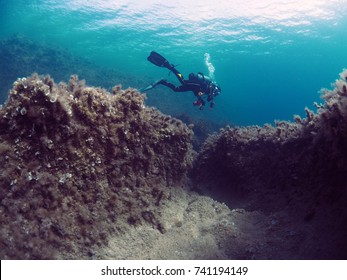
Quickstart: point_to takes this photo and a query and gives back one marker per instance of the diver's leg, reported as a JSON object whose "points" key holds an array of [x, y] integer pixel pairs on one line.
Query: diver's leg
{"points": [[160, 61], [172, 86], [178, 75]]}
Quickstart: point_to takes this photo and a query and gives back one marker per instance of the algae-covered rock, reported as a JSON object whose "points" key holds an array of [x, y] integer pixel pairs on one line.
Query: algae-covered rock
{"points": [[297, 167], [311, 148], [79, 164]]}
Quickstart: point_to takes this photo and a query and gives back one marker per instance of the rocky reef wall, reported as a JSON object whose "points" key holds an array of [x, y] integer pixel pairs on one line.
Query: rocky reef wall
{"points": [[299, 167], [79, 164], [311, 147]]}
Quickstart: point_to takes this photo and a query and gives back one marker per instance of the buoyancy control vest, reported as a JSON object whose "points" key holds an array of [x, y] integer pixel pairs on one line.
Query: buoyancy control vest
{"points": [[207, 86]]}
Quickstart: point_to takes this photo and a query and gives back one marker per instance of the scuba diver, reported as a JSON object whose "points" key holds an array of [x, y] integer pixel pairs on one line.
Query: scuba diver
{"points": [[203, 88]]}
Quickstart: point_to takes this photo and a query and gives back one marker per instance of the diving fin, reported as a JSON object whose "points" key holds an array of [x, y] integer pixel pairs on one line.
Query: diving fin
{"points": [[159, 60], [150, 86], [146, 88]]}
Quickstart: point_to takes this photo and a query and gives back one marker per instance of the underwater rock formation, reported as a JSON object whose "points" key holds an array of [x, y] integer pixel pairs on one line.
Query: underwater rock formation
{"points": [[299, 167], [312, 147], [85, 172], [79, 164]]}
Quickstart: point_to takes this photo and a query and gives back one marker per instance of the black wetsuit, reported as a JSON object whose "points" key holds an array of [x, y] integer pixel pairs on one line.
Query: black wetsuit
{"points": [[198, 84], [202, 87]]}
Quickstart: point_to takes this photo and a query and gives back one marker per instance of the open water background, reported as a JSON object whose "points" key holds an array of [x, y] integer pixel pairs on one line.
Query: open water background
{"points": [[270, 57]]}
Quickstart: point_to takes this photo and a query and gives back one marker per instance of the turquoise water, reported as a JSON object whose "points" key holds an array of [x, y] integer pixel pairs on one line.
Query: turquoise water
{"points": [[270, 57]]}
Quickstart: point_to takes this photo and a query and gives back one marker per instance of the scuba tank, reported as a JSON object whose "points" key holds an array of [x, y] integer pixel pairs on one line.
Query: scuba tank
{"points": [[199, 77], [207, 86]]}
